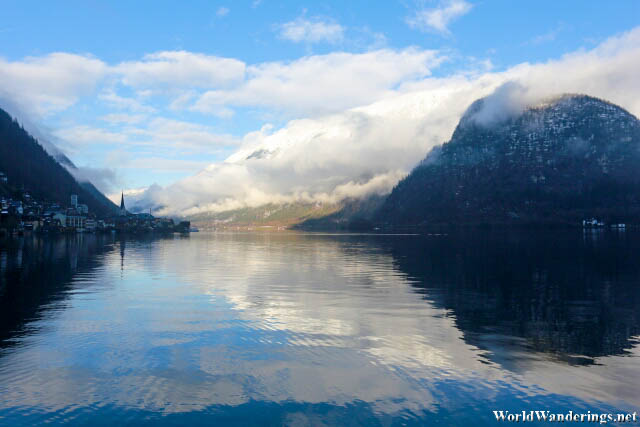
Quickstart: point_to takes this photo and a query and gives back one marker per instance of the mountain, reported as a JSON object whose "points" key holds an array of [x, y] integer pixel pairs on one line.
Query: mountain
{"points": [[272, 215], [28, 166], [561, 161], [61, 158], [350, 214]]}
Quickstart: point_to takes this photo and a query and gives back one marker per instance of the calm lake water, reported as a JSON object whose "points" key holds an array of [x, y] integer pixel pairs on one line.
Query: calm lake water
{"points": [[312, 329]]}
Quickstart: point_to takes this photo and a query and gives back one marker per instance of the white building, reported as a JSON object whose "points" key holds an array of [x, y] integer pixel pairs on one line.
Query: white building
{"points": [[60, 217], [70, 221], [90, 224], [76, 221]]}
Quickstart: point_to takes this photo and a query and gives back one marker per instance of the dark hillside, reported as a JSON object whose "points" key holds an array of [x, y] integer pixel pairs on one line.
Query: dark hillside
{"points": [[28, 166], [560, 162]]}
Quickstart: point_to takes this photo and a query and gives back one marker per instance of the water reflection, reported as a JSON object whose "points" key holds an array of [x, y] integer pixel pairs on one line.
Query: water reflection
{"points": [[35, 276], [576, 300], [540, 304], [308, 329]]}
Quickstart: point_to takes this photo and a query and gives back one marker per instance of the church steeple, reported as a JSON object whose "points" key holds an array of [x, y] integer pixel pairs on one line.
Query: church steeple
{"points": [[123, 211]]}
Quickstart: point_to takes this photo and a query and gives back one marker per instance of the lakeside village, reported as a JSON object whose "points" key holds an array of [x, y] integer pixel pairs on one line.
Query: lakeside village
{"points": [[27, 215]]}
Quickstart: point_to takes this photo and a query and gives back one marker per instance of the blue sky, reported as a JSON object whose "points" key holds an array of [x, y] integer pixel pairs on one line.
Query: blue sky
{"points": [[121, 30], [146, 92]]}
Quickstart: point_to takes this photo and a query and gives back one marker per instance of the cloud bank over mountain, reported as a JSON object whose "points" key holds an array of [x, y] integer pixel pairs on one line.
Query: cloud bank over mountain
{"points": [[357, 122], [366, 150]]}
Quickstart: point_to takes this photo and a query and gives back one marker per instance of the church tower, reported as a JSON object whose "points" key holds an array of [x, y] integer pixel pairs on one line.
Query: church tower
{"points": [[123, 211]]}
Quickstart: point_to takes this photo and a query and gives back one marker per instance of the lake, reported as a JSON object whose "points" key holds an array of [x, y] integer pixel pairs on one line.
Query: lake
{"points": [[287, 328]]}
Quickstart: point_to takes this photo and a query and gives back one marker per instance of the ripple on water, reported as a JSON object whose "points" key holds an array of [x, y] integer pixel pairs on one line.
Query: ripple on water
{"points": [[315, 328]]}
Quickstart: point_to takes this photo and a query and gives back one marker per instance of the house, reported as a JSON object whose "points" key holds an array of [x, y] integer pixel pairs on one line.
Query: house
{"points": [[70, 220], [90, 224], [76, 221], [61, 218]]}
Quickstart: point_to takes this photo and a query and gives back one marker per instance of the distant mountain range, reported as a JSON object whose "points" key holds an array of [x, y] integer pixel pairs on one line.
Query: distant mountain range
{"points": [[558, 162], [349, 214], [30, 167], [270, 215], [570, 158]]}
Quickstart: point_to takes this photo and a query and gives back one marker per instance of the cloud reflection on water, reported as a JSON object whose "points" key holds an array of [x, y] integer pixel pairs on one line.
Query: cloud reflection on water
{"points": [[179, 325]]}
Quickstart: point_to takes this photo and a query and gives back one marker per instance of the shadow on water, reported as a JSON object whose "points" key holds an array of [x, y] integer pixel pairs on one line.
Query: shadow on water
{"points": [[36, 275], [570, 295]]}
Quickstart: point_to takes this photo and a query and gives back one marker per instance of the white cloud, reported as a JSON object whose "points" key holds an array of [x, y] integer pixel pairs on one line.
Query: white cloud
{"points": [[311, 31], [167, 165], [323, 83], [312, 85], [183, 100], [222, 11], [123, 118], [366, 150], [350, 154], [439, 18], [180, 69], [547, 37], [171, 137], [51, 83], [82, 135], [508, 100], [104, 179], [76, 139], [111, 98], [185, 135]]}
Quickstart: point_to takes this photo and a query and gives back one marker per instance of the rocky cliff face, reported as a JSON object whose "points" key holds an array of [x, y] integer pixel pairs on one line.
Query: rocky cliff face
{"points": [[558, 162]]}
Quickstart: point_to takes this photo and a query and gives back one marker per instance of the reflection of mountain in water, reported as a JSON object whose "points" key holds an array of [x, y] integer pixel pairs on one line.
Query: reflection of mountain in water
{"points": [[36, 273], [574, 297]]}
